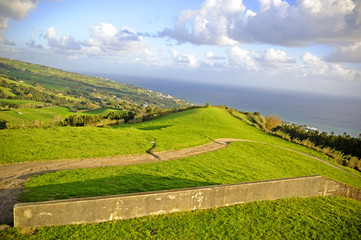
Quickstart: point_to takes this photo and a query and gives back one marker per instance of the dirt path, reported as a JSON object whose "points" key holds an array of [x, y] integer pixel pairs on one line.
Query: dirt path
{"points": [[12, 176]]}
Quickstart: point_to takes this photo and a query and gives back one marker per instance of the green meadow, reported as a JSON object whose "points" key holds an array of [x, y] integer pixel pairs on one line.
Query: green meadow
{"points": [[174, 131], [294, 218], [28, 112], [240, 162]]}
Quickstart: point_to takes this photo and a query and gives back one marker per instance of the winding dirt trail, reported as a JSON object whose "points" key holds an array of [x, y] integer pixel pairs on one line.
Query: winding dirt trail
{"points": [[12, 176]]}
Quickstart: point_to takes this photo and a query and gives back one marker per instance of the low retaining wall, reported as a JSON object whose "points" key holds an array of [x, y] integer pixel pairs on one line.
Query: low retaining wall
{"points": [[102, 209]]}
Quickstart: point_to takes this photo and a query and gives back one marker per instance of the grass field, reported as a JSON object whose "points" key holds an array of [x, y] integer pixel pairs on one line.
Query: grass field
{"points": [[30, 113], [293, 218], [297, 218], [241, 162], [174, 131], [22, 102]]}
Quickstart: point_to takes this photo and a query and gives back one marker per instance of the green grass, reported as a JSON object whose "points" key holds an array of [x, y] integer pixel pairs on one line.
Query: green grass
{"points": [[104, 111], [21, 102], [293, 218], [32, 114], [174, 131], [321, 218], [65, 143], [7, 91], [45, 113], [241, 162]]}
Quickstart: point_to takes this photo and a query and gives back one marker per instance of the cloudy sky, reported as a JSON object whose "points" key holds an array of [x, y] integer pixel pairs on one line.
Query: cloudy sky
{"points": [[306, 45]]}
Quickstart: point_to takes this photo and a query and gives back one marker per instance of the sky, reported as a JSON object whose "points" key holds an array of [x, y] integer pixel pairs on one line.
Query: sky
{"points": [[302, 45]]}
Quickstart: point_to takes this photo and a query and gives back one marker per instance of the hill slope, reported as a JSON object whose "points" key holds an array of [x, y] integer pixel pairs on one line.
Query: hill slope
{"points": [[42, 87], [240, 162]]}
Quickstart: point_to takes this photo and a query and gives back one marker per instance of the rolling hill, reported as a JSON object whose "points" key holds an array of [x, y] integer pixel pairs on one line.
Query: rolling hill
{"points": [[37, 89], [262, 157]]}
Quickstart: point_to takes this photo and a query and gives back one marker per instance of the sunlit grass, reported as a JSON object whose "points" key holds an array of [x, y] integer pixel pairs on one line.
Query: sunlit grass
{"points": [[293, 218], [174, 131], [241, 162]]}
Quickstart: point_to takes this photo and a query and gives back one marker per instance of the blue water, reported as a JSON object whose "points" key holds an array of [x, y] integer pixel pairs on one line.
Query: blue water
{"points": [[326, 113]]}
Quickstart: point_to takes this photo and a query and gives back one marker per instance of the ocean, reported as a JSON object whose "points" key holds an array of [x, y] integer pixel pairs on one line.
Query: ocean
{"points": [[326, 113]]}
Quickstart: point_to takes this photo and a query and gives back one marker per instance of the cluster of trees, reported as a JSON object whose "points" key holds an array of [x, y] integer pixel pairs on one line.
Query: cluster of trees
{"points": [[97, 119], [8, 105], [257, 120], [29, 93], [345, 143]]}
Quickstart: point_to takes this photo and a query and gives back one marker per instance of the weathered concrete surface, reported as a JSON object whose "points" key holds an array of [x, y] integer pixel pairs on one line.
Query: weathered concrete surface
{"points": [[101, 209], [334, 188]]}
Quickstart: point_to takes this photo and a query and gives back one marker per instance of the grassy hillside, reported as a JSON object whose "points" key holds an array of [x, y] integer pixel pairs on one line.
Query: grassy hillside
{"points": [[54, 113], [174, 131], [35, 86], [241, 162]]}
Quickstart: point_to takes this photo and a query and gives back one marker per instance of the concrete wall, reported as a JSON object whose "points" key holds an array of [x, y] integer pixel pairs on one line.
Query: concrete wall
{"points": [[101, 209]]}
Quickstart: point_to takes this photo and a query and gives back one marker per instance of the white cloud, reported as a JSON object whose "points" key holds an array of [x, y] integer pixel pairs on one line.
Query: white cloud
{"points": [[346, 53], [211, 24], [273, 62], [241, 58], [124, 45], [273, 55], [66, 42], [315, 66], [13, 9], [184, 60], [210, 55], [228, 22], [51, 33], [111, 40]]}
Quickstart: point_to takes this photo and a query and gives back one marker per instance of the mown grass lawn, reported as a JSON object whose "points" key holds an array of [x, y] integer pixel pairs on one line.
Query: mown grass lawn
{"points": [[240, 162], [295, 218], [174, 131], [292, 218]]}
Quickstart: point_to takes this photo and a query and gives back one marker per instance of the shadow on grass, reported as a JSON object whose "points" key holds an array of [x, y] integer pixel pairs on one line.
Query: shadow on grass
{"points": [[154, 127], [125, 183]]}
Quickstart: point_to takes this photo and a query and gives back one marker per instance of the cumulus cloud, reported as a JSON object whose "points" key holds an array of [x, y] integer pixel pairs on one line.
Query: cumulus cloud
{"points": [[105, 40], [347, 53], [13, 9], [228, 22], [274, 62], [269, 60], [241, 58], [66, 42], [109, 39], [211, 24], [210, 55], [275, 56], [315, 66], [184, 60]]}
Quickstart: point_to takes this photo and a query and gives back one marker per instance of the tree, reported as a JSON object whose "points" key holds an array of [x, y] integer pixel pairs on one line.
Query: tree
{"points": [[149, 109], [272, 121]]}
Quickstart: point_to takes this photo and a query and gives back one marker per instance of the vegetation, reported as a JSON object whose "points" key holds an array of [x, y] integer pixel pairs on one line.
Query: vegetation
{"points": [[294, 218], [51, 87], [346, 144], [34, 97], [328, 144], [343, 149], [173, 131], [240, 162]]}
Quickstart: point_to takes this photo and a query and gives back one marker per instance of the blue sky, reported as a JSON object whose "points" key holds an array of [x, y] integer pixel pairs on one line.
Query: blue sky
{"points": [[306, 45]]}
